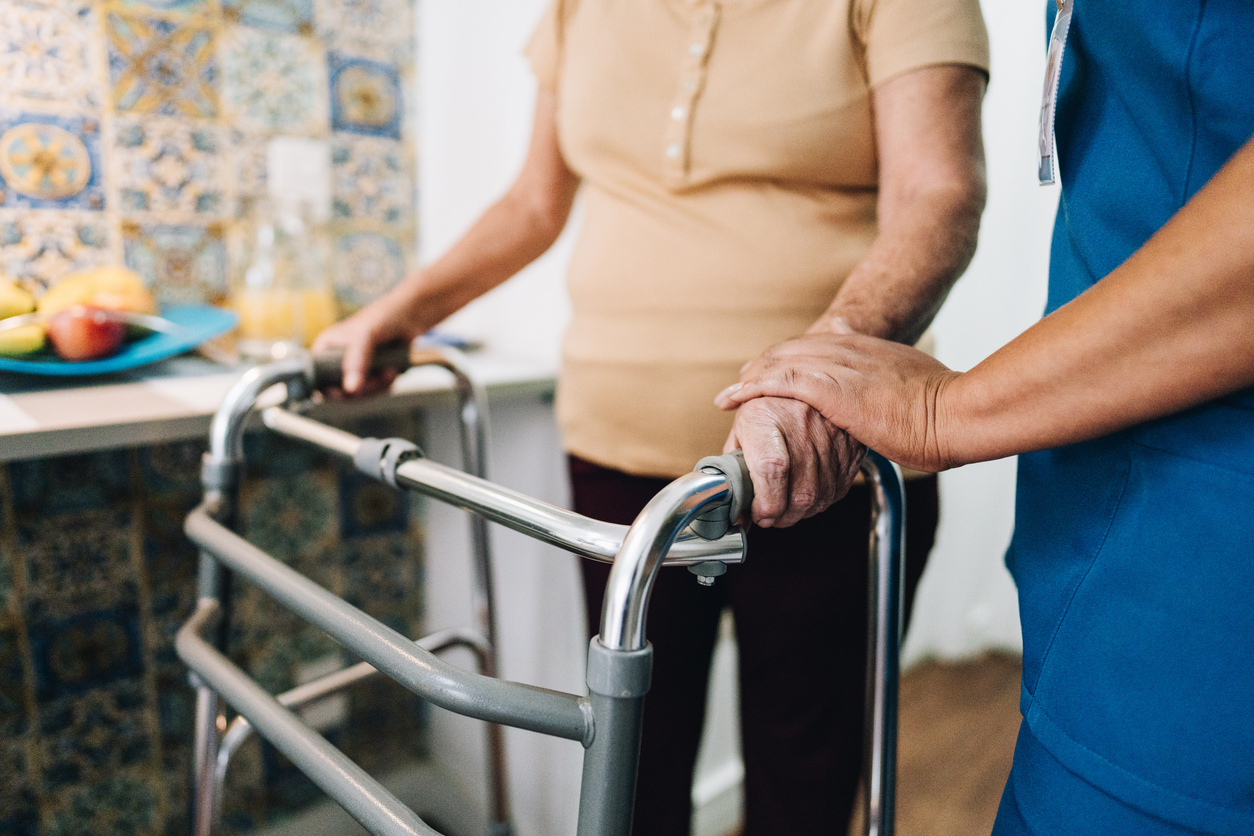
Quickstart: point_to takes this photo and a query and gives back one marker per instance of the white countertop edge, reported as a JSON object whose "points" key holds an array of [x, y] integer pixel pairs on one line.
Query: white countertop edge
{"points": [[166, 408]]}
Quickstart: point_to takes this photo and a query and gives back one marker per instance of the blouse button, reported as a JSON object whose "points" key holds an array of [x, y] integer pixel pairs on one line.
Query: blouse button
{"points": [[677, 112], [672, 150], [696, 50]]}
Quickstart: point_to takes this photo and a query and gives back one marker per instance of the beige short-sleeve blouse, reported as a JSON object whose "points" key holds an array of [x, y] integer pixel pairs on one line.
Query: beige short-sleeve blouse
{"points": [[728, 156]]}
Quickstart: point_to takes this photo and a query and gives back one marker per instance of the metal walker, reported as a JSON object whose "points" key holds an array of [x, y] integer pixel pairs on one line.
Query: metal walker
{"points": [[689, 523]]}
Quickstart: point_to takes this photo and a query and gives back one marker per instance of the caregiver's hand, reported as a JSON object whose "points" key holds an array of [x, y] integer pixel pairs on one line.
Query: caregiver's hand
{"points": [[887, 396], [376, 324], [800, 463]]}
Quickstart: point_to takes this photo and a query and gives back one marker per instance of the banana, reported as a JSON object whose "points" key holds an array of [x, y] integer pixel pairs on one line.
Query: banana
{"points": [[27, 339], [112, 287], [14, 300]]}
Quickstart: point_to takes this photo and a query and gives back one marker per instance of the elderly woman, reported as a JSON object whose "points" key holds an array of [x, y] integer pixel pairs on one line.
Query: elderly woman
{"points": [[752, 170], [1133, 400]]}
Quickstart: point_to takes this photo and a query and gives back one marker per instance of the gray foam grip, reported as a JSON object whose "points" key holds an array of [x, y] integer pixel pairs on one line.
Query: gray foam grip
{"points": [[732, 465]]}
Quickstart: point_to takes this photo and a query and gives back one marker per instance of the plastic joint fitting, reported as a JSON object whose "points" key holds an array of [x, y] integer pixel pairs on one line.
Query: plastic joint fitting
{"points": [[378, 458]]}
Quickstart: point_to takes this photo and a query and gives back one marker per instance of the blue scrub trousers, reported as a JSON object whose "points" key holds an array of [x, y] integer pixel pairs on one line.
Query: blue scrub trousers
{"points": [[1044, 798]]}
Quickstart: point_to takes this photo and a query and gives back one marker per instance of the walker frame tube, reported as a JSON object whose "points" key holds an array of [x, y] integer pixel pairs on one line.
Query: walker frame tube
{"points": [[885, 571], [441, 683], [607, 722], [241, 730], [547, 523]]}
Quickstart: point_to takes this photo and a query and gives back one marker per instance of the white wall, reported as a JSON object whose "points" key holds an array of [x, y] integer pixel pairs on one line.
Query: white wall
{"points": [[477, 95]]}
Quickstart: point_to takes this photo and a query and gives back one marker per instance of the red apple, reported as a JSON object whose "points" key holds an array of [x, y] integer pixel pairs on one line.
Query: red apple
{"points": [[83, 333]]}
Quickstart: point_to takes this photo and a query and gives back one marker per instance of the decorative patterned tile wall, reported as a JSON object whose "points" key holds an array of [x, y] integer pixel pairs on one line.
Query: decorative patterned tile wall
{"points": [[95, 579], [136, 131]]}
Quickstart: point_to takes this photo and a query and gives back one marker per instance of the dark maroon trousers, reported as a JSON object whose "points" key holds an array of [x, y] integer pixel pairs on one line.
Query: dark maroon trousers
{"points": [[800, 606]]}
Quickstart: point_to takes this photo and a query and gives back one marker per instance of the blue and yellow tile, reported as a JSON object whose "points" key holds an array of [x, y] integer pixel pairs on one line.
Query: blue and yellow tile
{"points": [[87, 738], [162, 66], [367, 264], [382, 576], [171, 7], [14, 687], [45, 56], [295, 17], [184, 264], [366, 96], [19, 790], [38, 247], [118, 805], [273, 82], [65, 484], [76, 564], [172, 469], [368, 507], [382, 30], [50, 162], [85, 652], [371, 180], [291, 517], [170, 166]]}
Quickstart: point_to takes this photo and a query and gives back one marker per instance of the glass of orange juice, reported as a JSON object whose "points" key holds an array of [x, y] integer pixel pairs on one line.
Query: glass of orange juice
{"points": [[282, 290]]}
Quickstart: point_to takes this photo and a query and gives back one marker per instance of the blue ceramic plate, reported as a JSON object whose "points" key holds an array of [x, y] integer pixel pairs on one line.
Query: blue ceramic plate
{"points": [[197, 324]]}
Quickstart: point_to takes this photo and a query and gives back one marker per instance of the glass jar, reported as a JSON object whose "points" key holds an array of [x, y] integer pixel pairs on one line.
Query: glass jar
{"points": [[282, 287]]}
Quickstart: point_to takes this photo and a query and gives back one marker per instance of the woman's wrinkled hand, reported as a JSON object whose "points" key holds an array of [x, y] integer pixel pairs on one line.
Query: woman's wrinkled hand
{"points": [[358, 336], [799, 462], [887, 396]]}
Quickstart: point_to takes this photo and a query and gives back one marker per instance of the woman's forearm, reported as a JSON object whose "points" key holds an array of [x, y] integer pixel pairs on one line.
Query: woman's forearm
{"points": [[932, 191], [511, 234], [1171, 328]]}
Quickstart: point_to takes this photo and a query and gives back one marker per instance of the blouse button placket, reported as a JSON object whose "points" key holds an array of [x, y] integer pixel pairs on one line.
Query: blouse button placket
{"points": [[677, 146]]}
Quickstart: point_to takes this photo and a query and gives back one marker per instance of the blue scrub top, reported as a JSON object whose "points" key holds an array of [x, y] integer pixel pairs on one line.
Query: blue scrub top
{"points": [[1134, 553]]}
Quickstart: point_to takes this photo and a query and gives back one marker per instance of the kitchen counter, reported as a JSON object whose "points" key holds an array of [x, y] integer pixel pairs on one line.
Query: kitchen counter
{"points": [[175, 400]]}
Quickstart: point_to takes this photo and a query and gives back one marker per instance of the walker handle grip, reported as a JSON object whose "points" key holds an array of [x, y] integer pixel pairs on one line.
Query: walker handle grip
{"points": [[732, 466], [328, 365]]}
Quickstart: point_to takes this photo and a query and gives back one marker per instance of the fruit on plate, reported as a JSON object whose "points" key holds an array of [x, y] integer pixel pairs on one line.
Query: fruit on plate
{"points": [[111, 288], [84, 333], [14, 299], [25, 339]]}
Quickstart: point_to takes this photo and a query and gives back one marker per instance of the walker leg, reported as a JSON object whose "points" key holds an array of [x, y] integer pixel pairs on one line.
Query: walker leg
{"points": [[887, 559], [210, 715], [617, 683], [473, 423]]}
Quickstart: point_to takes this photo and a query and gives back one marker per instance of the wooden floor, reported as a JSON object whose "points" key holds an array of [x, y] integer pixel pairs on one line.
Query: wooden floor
{"points": [[957, 734]]}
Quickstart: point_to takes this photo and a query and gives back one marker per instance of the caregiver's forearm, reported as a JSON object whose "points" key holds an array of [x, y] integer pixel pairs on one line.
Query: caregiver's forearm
{"points": [[932, 191], [1171, 328]]}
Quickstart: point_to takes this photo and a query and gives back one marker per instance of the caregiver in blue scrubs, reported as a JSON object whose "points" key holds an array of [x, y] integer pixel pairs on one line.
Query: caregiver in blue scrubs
{"points": [[1132, 405]]}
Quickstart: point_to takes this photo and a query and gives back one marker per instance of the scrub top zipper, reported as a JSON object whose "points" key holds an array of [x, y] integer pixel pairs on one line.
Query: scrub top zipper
{"points": [[1049, 97]]}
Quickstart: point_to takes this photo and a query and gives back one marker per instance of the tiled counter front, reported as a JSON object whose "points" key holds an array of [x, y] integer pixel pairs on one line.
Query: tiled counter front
{"points": [[96, 577], [134, 130]]}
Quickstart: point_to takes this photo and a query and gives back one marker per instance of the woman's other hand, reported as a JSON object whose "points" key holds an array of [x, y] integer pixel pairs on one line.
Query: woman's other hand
{"points": [[800, 463], [358, 336], [885, 395]]}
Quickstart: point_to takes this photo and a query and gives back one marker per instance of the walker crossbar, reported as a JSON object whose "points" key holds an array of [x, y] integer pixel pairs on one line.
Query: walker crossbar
{"points": [[403, 660], [556, 526], [363, 797], [240, 730], [607, 721]]}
